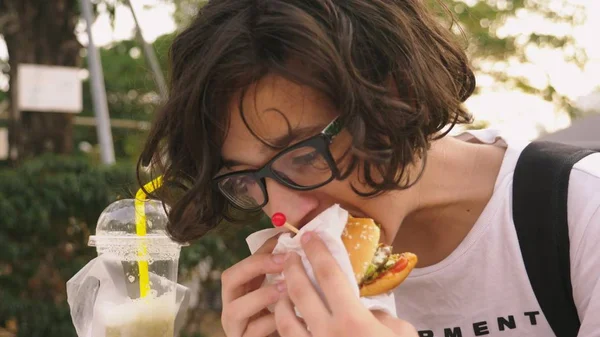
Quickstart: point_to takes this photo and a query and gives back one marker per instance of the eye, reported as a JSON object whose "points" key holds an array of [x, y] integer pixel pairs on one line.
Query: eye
{"points": [[305, 159], [246, 181], [239, 184]]}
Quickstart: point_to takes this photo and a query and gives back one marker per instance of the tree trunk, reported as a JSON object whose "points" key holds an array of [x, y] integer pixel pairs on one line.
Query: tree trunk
{"points": [[40, 32]]}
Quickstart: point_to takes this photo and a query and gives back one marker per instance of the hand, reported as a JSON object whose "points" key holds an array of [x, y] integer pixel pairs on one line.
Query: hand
{"points": [[341, 314], [245, 312]]}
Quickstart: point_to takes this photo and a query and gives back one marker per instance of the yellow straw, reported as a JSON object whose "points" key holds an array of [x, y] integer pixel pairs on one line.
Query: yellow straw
{"points": [[140, 229]]}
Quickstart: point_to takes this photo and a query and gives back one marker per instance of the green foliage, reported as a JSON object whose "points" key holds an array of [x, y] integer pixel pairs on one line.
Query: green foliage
{"points": [[483, 22], [185, 10], [49, 206], [477, 125], [130, 91]]}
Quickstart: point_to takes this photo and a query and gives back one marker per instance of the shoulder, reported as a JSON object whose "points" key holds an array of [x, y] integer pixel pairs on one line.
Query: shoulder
{"points": [[584, 232], [589, 166], [584, 191], [584, 202]]}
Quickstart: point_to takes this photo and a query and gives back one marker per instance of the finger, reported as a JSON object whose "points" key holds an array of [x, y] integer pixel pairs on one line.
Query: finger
{"points": [[236, 315], [256, 282], [253, 284], [253, 303], [302, 292], [261, 326], [331, 279], [239, 275], [398, 326], [268, 246], [287, 322]]}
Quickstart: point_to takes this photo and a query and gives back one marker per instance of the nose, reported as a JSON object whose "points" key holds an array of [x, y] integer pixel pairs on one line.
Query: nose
{"points": [[295, 205]]}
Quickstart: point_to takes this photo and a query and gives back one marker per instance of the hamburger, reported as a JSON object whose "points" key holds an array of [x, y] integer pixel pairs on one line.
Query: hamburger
{"points": [[376, 269]]}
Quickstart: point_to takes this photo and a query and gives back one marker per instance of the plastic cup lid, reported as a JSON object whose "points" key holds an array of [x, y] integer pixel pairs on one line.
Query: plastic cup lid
{"points": [[119, 224]]}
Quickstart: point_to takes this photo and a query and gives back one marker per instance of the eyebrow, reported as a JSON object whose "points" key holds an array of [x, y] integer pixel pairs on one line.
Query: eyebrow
{"points": [[280, 142], [294, 135]]}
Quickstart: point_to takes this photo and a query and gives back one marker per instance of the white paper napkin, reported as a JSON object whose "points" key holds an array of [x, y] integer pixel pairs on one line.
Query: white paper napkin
{"points": [[329, 226]]}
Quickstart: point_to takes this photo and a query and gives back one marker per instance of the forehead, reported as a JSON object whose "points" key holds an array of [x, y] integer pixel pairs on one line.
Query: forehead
{"points": [[272, 108]]}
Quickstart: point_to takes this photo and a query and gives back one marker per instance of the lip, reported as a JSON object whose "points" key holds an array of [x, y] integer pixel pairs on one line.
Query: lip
{"points": [[309, 217], [357, 213], [304, 221]]}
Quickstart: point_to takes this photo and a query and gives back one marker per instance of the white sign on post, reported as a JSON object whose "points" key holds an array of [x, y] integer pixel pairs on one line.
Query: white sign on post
{"points": [[3, 143], [49, 88]]}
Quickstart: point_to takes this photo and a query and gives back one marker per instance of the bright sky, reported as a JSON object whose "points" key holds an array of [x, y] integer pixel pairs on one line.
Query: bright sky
{"points": [[515, 113], [155, 17]]}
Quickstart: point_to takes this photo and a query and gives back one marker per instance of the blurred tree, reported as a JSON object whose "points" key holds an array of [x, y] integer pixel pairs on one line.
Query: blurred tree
{"points": [[477, 125], [44, 32], [130, 91], [186, 10], [493, 48], [40, 32], [49, 207]]}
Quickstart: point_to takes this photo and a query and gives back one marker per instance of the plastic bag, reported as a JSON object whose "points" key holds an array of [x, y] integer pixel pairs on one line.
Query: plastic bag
{"points": [[100, 305]]}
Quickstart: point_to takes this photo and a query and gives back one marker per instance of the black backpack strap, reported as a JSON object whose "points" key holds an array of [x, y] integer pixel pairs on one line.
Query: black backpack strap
{"points": [[540, 191]]}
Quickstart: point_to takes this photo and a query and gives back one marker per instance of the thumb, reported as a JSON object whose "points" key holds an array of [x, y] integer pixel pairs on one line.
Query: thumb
{"points": [[398, 326]]}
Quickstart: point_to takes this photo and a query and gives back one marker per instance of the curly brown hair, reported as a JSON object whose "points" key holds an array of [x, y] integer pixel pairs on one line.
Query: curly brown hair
{"points": [[394, 72]]}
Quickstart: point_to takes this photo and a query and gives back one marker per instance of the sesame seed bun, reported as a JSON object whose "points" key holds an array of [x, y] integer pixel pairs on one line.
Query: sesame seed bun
{"points": [[361, 239]]}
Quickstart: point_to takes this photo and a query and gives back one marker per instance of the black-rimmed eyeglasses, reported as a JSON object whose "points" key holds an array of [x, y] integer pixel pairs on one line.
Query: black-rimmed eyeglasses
{"points": [[303, 166]]}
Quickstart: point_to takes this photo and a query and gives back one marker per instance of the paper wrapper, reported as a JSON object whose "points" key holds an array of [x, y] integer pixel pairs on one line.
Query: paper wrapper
{"points": [[329, 226]]}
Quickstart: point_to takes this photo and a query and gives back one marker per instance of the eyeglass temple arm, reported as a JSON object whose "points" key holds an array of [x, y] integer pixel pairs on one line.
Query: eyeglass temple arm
{"points": [[333, 128]]}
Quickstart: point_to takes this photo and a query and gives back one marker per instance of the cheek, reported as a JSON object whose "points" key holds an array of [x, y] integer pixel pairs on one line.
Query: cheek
{"points": [[336, 192], [340, 192], [344, 190]]}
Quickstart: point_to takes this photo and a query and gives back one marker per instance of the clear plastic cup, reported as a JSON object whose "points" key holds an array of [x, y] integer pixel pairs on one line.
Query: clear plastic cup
{"points": [[149, 266]]}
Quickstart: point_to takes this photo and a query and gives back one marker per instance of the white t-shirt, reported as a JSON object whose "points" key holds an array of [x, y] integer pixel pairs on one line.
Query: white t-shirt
{"points": [[482, 288]]}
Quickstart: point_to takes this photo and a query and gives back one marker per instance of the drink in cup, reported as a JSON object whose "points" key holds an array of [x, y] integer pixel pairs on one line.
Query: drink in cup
{"points": [[132, 234]]}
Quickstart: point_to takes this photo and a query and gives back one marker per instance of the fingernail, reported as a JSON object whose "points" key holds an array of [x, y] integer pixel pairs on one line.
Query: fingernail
{"points": [[278, 258], [281, 286], [306, 237]]}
